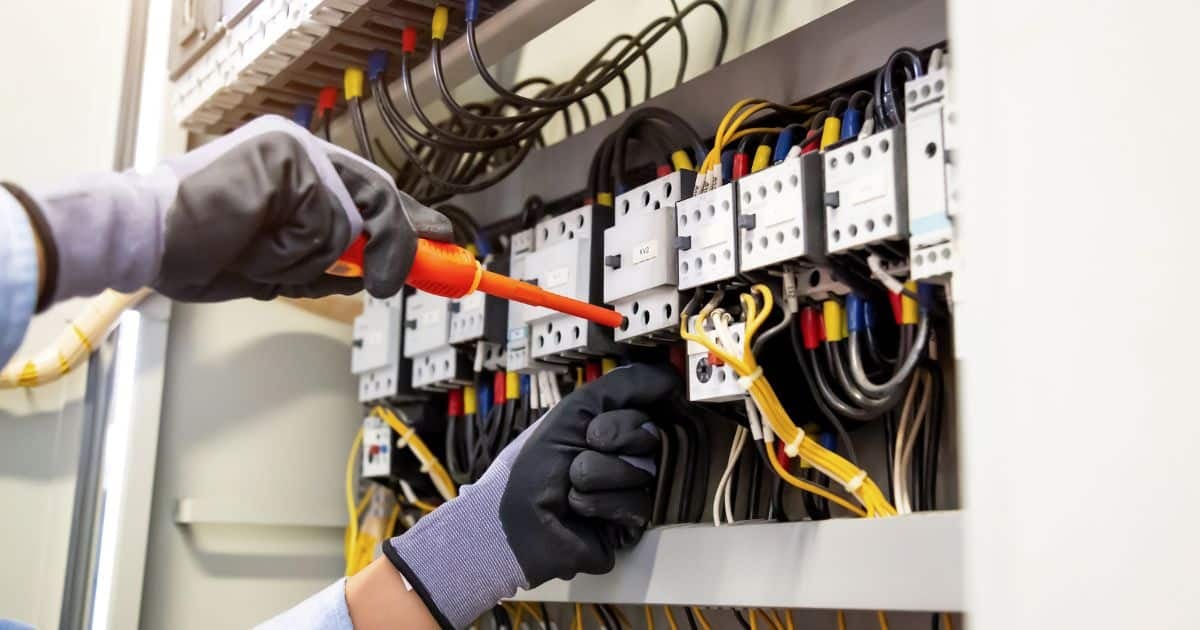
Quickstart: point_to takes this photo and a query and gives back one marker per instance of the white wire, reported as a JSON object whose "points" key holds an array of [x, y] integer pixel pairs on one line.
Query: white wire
{"points": [[899, 479], [923, 409], [735, 449], [734, 454]]}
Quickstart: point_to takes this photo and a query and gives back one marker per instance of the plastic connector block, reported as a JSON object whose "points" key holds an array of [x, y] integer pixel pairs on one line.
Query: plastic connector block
{"points": [[930, 222], [375, 353], [865, 198], [783, 204], [707, 243], [821, 283], [568, 259], [377, 449], [708, 382], [478, 316], [426, 323], [641, 274], [441, 369]]}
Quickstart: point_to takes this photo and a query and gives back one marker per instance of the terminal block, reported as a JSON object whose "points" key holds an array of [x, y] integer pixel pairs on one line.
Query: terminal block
{"points": [[443, 368], [707, 242], [478, 316], [375, 355], [567, 259], [780, 213], [928, 123], [709, 380], [641, 274], [865, 198], [426, 323], [821, 283]]}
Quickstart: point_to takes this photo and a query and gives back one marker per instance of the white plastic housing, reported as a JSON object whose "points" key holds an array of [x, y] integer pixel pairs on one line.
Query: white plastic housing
{"points": [[375, 353], [707, 229], [930, 226], [426, 323], [708, 383], [442, 368], [784, 203], [867, 178]]}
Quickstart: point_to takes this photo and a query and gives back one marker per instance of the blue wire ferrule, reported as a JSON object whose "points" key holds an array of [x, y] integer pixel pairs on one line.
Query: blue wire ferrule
{"points": [[377, 63], [303, 115], [485, 400], [472, 9], [925, 295], [727, 165], [783, 144], [868, 318], [852, 123], [524, 386], [828, 440], [854, 313]]}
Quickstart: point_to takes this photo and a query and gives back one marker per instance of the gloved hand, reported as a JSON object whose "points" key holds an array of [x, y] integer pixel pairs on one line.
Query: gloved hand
{"points": [[560, 500], [260, 212]]}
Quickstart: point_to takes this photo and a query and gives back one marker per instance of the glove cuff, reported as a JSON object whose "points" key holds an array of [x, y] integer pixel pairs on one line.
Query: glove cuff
{"points": [[107, 230], [457, 558]]}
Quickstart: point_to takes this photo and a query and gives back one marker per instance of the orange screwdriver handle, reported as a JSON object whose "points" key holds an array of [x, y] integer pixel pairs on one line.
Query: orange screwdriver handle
{"points": [[450, 271]]}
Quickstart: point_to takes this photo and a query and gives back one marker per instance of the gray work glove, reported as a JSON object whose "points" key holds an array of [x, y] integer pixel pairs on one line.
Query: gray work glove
{"points": [[261, 212], [560, 500]]}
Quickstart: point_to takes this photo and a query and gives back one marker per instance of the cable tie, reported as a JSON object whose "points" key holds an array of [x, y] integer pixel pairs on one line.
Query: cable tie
{"points": [[83, 339], [747, 381], [855, 482], [793, 448]]}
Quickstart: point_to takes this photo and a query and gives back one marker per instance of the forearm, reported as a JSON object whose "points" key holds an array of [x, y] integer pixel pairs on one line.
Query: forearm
{"points": [[379, 599]]}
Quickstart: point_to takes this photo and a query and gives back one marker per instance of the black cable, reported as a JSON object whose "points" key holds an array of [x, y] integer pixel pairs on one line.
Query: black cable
{"points": [[360, 128], [815, 394], [683, 48], [545, 615], [691, 618], [737, 614], [325, 126]]}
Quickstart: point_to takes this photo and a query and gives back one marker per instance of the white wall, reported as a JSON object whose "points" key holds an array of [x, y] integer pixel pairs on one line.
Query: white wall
{"points": [[63, 69], [1077, 312]]}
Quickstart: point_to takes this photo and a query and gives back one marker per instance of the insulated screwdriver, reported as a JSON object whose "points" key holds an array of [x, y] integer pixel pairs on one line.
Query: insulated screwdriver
{"points": [[451, 271]]}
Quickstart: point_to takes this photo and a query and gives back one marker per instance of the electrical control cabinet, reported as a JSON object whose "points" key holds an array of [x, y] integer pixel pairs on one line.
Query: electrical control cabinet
{"points": [[930, 221], [865, 192], [426, 323], [641, 272], [707, 243], [708, 382], [566, 260], [780, 213], [375, 355]]}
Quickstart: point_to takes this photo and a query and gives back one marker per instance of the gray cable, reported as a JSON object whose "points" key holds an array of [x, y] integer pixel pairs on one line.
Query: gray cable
{"points": [[902, 373]]}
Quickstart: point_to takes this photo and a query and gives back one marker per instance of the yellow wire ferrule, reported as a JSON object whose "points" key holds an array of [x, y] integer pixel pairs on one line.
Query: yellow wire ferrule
{"points": [[607, 365], [512, 386], [832, 312], [352, 83], [682, 161], [762, 158], [604, 199], [831, 131], [909, 309], [470, 401], [441, 19]]}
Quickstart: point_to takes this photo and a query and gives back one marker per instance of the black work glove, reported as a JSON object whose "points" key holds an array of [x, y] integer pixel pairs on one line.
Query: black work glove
{"points": [[560, 500], [261, 212]]}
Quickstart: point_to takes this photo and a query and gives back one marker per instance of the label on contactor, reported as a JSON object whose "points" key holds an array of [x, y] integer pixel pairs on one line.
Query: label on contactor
{"points": [[647, 250], [429, 317], [557, 277]]}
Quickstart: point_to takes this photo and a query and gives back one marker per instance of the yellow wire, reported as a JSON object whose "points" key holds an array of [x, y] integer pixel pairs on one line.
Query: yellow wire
{"points": [[882, 617], [578, 623], [670, 618], [787, 615], [622, 620], [753, 619], [391, 522], [770, 617], [597, 615], [649, 617], [841, 620], [516, 617], [429, 461], [423, 506], [700, 618], [533, 612], [946, 621], [809, 487], [351, 514]]}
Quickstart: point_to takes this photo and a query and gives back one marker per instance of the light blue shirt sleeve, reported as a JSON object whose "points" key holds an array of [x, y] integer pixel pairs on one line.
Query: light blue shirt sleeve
{"points": [[324, 611], [18, 274]]}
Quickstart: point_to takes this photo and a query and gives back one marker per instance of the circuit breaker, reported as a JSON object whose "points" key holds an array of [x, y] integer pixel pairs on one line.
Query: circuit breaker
{"points": [[709, 380], [931, 181], [516, 343], [865, 195], [442, 368], [707, 242], [375, 355], [426, 323], [566, 260], [479, 316], [641, 275], [780, 213]]}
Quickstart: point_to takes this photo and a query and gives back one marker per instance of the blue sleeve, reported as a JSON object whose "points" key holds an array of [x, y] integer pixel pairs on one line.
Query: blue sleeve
{"points": [[18, 275], [324, 611]]}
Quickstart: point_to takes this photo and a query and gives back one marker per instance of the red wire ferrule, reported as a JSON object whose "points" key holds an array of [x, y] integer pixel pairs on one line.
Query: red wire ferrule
{"points": [[454, 403], [408, 39]]}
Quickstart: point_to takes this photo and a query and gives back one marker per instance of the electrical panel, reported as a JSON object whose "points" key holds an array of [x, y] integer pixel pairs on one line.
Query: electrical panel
{"points": [[708, 379], [567, 260], [518, 357], [707, 243], [865, 192], [641, 275], [375, 355], [931, 183], [426, 323], [780, 213]]}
